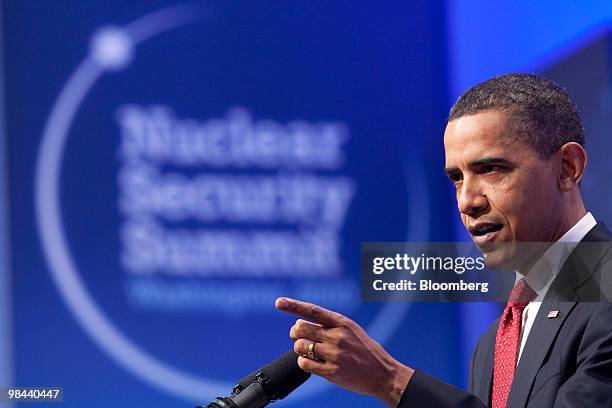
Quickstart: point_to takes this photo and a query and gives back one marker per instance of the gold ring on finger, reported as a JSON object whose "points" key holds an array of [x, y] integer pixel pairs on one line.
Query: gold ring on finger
{"points": [[311, 351]]}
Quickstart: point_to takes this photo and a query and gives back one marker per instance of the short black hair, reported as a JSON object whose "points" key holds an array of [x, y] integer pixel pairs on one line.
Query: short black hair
{"points": [[538, 110]]}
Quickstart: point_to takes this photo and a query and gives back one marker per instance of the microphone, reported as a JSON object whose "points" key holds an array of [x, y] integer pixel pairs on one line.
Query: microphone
{"points": [[268, 384]]}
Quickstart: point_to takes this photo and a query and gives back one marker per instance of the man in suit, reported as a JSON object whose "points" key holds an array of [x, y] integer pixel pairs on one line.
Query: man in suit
{"points": [[514, 151]]}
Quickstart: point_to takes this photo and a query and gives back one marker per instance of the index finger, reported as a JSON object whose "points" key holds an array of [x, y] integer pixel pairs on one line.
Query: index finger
{"points": [[310, 311]]}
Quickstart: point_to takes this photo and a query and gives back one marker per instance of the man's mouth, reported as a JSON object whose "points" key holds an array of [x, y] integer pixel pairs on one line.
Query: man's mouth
{"points": [[484, 232]]}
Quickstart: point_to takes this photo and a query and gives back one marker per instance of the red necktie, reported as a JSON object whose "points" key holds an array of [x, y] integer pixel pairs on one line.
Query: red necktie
{"points": [[507, 342]]}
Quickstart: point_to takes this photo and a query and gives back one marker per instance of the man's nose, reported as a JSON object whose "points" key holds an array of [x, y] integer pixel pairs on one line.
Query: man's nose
{"points": [[471, 200]]}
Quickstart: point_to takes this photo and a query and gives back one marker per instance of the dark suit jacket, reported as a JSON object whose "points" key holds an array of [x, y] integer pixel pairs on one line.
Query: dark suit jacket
{"points": [[566, 361]]}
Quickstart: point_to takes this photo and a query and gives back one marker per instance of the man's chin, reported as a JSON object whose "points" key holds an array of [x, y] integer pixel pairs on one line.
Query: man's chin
{"points": [[516, 256], [499, 255]]}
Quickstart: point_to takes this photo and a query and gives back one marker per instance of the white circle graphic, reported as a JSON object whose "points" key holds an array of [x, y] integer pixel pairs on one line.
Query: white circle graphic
{"points": [[112, 49]]}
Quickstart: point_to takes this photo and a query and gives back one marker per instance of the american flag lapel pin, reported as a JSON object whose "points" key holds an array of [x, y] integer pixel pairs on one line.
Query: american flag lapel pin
{"points": [[553, 313]]}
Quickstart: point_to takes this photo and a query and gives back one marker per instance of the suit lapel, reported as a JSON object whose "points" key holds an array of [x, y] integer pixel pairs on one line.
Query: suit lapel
{"points": [[538, 343]]}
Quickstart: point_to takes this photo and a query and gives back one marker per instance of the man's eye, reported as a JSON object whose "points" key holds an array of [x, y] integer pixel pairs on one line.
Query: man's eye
{"points": [[490, 168], [455, 177]]}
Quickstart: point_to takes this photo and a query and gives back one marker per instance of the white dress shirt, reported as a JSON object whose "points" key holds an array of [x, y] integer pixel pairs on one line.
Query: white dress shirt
{"points": [[544, 271]]}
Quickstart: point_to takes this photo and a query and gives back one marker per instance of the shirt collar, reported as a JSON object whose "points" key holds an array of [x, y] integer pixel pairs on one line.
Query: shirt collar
{"points": [[544, 271]]}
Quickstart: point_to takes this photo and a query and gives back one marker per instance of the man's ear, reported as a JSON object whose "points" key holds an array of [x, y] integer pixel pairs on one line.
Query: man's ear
{"points": [[573, 165]]}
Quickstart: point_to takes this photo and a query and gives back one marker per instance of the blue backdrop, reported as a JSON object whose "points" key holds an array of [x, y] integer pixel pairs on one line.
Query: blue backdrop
{"points": [[172, 168]]}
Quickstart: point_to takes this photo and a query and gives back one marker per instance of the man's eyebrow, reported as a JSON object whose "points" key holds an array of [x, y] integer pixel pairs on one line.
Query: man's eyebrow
{"points": [[489, 161]]}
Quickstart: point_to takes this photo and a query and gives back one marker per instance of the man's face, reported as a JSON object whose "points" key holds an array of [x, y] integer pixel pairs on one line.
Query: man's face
{"points": [[505, 191]]}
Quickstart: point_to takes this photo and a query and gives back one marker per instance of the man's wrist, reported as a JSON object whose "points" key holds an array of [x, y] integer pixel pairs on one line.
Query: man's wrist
{"points": [[400, 377]]}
